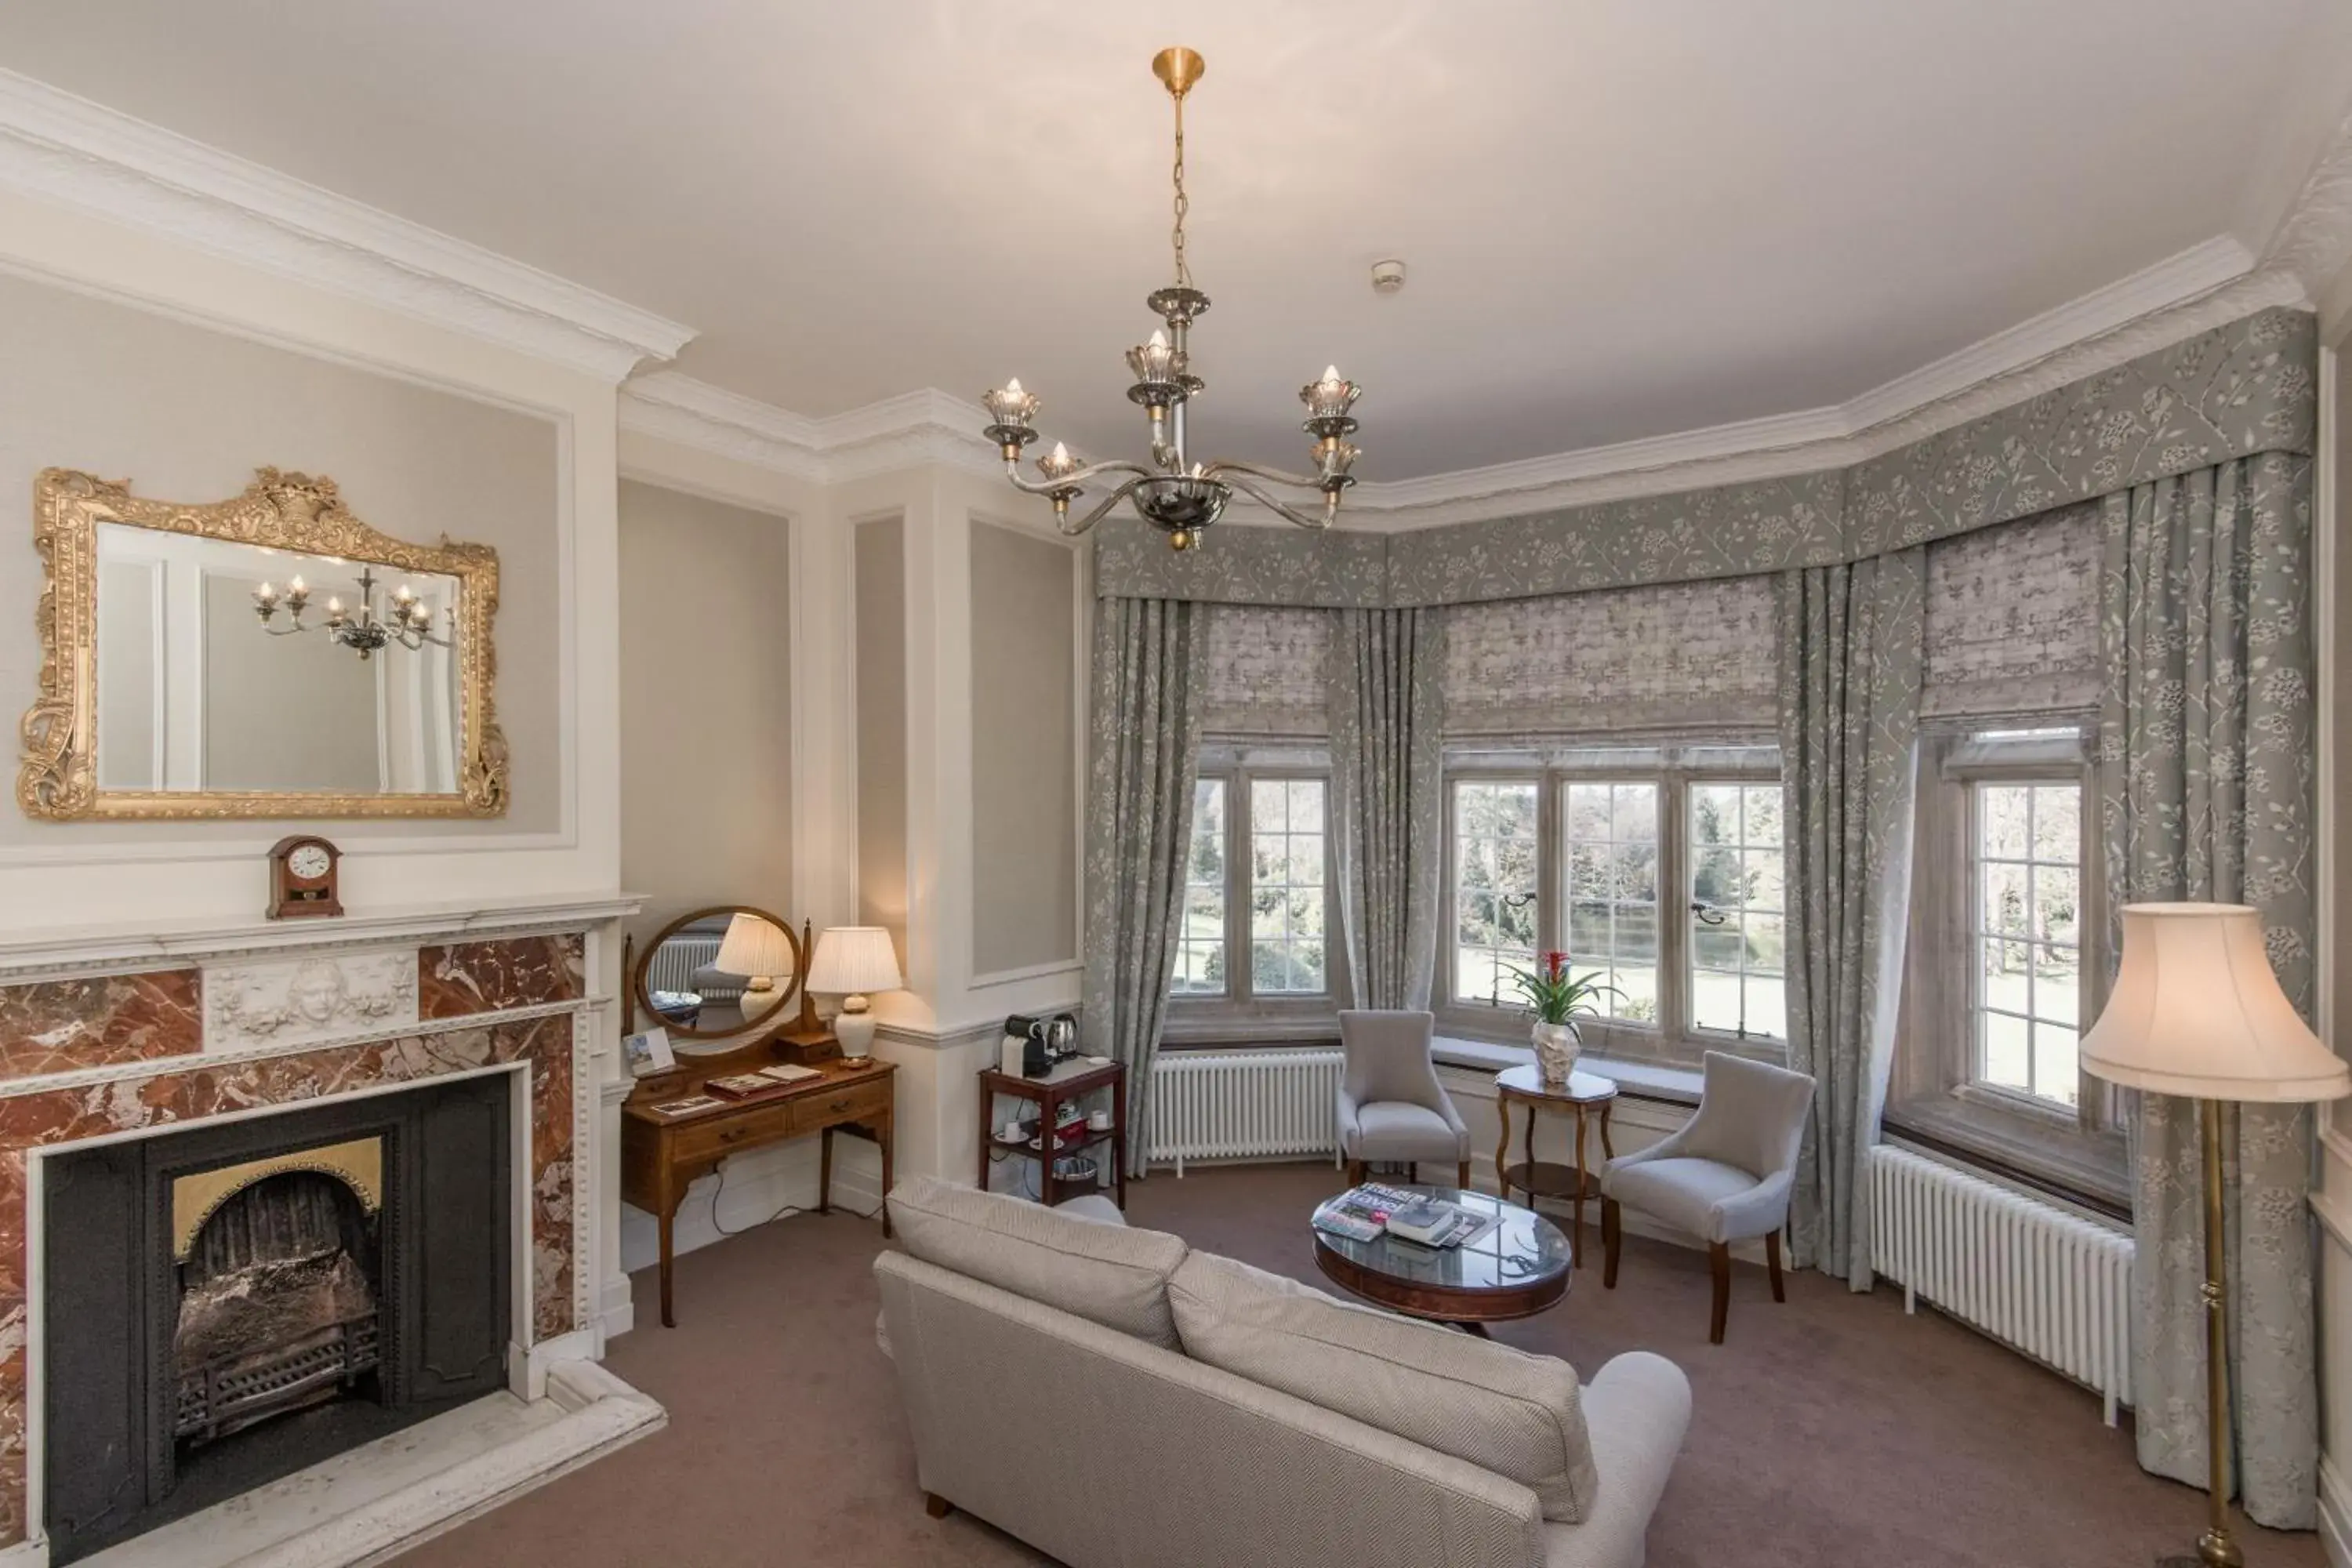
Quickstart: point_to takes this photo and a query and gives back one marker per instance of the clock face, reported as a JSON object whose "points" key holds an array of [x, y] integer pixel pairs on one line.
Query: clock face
{"points": [[308, 861]]}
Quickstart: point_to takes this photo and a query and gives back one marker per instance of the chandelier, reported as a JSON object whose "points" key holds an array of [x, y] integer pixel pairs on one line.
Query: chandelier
{"points": [[1173, 493], [406, 622]]}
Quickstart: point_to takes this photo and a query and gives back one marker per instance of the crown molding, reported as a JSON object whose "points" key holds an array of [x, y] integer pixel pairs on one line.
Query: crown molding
{"points": [[63, 148], [914, 428]]}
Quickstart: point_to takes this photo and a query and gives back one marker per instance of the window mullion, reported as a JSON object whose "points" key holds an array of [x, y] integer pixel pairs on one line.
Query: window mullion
{"points": [[1675, 1011], [1240, 864]]}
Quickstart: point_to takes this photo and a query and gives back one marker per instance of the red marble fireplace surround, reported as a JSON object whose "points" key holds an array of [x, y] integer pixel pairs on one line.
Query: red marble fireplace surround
{"points": [[106, 1054]]}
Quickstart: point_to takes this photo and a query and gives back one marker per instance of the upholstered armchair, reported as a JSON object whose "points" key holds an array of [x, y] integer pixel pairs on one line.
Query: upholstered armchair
{"points": [[1725, 1176], [1392, 1106]]}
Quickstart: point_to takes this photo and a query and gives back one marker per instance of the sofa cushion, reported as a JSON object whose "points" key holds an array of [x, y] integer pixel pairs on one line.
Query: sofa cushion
{"points": [[1109, 1273], [1499, 1408]]}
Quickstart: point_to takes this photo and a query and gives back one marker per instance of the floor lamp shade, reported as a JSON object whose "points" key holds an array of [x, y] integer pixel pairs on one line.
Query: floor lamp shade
{"points": [[2196, 1012]]}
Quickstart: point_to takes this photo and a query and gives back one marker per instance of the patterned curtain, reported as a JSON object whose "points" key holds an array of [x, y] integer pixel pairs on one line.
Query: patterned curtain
{"points": [[1149, 668], [1388, 708], [2206, 748], [1850, 663]]}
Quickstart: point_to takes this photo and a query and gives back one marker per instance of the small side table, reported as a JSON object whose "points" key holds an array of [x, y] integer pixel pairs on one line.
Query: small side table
{"points": [[1583, 1092], [1069, 1081]]}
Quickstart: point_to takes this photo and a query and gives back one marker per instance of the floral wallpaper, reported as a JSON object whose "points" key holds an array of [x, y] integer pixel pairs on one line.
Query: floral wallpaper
{"points": [[1614, 660], [2246, 388], [2013, 618]]}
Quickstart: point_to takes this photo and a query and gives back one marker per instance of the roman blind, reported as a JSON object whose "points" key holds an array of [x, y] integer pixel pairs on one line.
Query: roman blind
{"points": [[2013, 619]]}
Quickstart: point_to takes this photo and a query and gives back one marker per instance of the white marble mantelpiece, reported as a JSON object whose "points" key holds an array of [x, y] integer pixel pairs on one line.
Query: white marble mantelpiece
{"points": [[30, 954]]}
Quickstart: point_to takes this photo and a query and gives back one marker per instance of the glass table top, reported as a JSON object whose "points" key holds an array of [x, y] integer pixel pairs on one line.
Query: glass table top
{"points": [[1523, 1249]]}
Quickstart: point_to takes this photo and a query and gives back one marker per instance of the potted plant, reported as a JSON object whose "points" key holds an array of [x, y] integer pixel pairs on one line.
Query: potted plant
{"points": [[1556, 1000]]}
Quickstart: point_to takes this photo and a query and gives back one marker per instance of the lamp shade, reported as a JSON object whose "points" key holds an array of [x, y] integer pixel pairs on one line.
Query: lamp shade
{"points": [[853, 961], [2196, 1012], [754, 947]]}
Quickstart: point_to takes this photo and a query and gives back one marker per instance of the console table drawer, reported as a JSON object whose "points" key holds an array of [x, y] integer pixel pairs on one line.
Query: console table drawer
{"points": [[831, 1109], [744, 1130]]}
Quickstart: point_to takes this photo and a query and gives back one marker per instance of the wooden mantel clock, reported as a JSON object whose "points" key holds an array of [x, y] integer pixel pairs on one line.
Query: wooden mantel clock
{"points": [[302, 877]]}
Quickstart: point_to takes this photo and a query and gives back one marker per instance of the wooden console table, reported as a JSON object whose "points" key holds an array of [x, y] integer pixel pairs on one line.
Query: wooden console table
{"points": [[661, 1155]]}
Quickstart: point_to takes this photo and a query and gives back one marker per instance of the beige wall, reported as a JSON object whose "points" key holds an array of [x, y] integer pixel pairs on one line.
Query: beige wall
{"points": [[880, 578], [187, 413], [706, 705], [1024, 908]]}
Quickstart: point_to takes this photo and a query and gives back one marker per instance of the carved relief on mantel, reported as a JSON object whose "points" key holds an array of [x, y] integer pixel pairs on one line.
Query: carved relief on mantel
{"points": [[296, 1001]]}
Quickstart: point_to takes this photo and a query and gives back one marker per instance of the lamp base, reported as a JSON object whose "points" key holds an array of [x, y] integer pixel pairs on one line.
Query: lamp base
{"points": [[854, 1028], [760, 998]]}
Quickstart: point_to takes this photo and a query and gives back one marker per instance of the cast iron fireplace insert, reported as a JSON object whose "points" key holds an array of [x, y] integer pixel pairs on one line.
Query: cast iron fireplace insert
{"points": [[228, 1304]]}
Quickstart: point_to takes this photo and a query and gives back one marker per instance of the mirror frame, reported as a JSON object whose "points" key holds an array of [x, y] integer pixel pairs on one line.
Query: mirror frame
{"points": [[782, 1014], [58, 778]]}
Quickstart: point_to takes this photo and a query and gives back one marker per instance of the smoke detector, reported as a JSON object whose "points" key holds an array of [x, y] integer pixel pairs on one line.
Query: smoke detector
{"points": [[1387, 277]]}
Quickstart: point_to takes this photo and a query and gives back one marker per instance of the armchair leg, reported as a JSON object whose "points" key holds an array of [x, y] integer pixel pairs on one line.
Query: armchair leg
{"points": [[1612, 1227], [1462, 1176], [1772, 1256], [1355, 1172], [1718, 1261], [937, 1506]]}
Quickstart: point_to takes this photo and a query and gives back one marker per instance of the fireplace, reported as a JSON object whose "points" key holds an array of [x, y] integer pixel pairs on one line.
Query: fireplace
{"points": [[230, 1303]]}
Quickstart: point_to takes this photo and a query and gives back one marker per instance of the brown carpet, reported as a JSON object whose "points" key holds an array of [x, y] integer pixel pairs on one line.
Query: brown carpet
{"points": [[1830, 1432]]}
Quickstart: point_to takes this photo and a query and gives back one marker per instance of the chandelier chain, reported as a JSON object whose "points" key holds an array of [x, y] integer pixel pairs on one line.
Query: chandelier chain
{"points": [[1182, 203]]}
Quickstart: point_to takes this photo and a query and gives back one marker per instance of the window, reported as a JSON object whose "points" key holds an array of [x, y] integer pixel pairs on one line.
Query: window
{"points": [[1735, 947], [2026, 1013], [1494, 860], [2003, 964], [1599, 853], [1257, 882], [1287, 876], [1612, 894], [1201, 945]]}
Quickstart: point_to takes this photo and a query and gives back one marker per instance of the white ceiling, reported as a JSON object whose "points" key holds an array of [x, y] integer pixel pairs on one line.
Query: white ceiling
{"points": [[1625, 218]]}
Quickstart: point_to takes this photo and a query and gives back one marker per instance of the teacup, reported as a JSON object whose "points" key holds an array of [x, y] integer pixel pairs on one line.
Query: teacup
{"points": [[1099, 1121]]}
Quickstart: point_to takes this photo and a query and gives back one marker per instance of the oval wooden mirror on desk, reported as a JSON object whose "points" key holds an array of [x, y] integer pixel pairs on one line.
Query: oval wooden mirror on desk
{"points": [[725, 984], [721, 979]]}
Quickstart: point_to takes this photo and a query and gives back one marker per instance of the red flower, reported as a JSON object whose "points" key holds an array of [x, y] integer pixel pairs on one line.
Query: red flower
{"points": [[1554, 964]]}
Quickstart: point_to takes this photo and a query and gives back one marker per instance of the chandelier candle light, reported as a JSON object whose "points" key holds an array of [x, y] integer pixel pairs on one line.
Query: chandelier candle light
{"points": [[1173, 493], [406, 621]]}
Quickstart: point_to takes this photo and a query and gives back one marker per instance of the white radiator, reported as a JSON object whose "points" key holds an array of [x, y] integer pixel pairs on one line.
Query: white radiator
{"points": [[2035, 1278], [675, 962], [1225, 1105]]}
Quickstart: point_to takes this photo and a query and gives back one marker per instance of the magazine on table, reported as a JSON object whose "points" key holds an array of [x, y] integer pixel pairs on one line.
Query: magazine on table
{"points": [[1361, 1212], [1364, 1213]]}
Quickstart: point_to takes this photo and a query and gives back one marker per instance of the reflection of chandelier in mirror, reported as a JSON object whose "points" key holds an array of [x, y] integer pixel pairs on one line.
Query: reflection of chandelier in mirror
{"points": [[1176, 495], [406, 622]]}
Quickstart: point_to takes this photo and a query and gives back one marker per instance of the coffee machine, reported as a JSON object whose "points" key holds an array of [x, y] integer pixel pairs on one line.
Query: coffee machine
{"points": [[1034, 1047]]}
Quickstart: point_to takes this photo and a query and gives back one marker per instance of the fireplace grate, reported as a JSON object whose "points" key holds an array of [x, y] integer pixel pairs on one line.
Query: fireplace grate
{"points": [[220, 1395]]}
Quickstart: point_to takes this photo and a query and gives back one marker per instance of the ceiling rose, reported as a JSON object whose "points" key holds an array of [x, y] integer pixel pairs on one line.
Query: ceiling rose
{"points": [[1174, 494]]}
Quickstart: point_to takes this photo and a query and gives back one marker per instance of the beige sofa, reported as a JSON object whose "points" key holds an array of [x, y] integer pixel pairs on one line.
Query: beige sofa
{"points": [[1041, 1355]]}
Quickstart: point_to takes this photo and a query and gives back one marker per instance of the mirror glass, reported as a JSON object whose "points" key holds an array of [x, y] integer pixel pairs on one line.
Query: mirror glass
{"points": [[350, 683], [718, 973]]}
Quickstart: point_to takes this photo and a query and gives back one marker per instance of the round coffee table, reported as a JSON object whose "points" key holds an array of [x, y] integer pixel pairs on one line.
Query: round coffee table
{"points": [[1583, 1092], [1517, 1269]]}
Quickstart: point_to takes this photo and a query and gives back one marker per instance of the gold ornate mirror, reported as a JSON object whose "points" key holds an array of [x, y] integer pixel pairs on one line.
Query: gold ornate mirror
{"points": [[269, 656]]}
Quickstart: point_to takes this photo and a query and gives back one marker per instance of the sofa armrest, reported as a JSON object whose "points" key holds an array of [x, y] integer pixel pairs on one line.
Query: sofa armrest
{"points": [[1637, 1412]]}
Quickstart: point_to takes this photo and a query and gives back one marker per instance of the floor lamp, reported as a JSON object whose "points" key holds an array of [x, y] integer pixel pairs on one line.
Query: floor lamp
{"points": [[2196, 1011]]}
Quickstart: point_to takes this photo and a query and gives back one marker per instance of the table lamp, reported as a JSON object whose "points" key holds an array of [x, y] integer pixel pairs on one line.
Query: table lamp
{"points": [[2196, 1011], [853, 962], [760, 952]]}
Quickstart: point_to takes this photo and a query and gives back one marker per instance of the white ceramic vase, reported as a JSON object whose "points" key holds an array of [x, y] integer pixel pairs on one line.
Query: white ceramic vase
{"points": [[1557, 1047]]}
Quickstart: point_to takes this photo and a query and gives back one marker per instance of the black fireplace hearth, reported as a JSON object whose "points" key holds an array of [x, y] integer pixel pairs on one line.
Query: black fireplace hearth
{"points": [[226, 1305]]}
